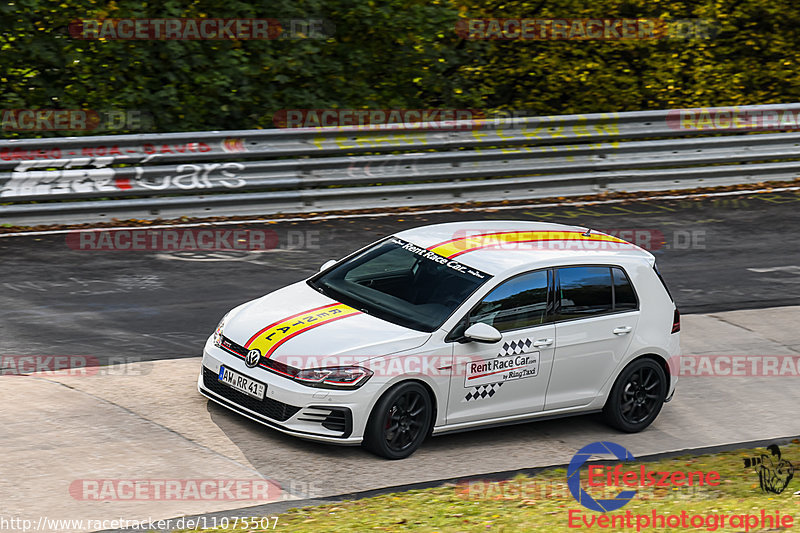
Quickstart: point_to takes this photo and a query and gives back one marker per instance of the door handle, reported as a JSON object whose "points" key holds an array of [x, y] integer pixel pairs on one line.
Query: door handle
{"points": [[542, 342], [622, 330]]}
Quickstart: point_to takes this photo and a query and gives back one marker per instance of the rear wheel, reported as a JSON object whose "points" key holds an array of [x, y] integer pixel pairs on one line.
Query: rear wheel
{"points": [[637, 396], [399, 422]]}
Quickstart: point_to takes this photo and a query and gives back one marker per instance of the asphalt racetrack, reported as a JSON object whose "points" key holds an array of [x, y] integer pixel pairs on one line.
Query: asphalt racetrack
{"points": [[734, 273], [719, 254]]}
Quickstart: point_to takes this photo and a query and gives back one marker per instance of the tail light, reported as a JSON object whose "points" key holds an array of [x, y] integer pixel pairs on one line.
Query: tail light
{"points": [[676, 321]]}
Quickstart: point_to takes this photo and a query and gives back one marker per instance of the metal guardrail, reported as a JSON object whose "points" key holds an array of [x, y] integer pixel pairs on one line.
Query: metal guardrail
{"points": [[313, 169]]}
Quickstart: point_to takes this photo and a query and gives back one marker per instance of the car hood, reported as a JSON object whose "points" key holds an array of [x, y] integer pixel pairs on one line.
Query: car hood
{"points": [[299, 326]]}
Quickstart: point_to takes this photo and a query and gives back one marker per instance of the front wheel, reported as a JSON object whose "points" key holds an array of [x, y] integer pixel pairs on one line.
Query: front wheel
{"points": [[636, 397], [399, 422]]}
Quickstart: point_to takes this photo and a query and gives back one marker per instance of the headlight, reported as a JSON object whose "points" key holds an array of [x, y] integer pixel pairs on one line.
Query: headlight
{"points": [[218, 331], [340, 377]]}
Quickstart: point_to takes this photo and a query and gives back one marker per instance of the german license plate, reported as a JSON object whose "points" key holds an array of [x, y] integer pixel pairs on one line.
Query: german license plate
{"points": [[242, 383]]}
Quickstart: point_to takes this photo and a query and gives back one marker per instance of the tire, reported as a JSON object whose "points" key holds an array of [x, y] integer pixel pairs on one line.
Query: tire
{"points": [[636, 397], [399, 422]]}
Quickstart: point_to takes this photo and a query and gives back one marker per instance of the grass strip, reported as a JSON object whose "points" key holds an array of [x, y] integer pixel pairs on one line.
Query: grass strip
{"points": [[543, 502]]}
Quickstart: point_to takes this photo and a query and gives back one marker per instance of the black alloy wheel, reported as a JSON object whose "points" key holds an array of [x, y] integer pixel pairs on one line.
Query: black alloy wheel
{"points": [[637, 396], [400, 421]]}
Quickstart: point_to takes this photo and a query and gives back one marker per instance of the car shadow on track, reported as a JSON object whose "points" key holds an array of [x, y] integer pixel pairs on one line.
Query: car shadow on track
{"points": [[310, 469]]}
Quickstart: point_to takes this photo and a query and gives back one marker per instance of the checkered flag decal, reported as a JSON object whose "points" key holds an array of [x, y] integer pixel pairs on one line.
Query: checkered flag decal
{"points": [[516, 347], [509, 348], [483, 391]]}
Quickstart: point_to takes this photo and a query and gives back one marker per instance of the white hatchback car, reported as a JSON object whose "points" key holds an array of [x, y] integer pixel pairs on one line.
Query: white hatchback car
{"points": [[452, 327]]}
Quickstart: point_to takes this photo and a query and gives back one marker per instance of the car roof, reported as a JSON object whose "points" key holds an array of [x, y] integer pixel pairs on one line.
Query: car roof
{"points": [[498, 246]]}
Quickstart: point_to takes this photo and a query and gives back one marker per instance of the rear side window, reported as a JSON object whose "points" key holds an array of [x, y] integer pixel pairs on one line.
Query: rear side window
{"points": [[624, 296], [520, 302], [594, 290], [584, 291]]}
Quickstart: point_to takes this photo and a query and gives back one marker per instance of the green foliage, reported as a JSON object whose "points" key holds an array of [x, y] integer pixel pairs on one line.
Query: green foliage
{"points": [[748, 59], [393, 54]]}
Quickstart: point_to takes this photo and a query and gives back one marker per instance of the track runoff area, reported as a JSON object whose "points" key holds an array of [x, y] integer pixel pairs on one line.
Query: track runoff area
{"points": [[733, 283]]}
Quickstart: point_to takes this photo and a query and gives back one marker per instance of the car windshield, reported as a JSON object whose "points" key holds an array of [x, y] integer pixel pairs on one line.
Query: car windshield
{"points": [[402, 283]]}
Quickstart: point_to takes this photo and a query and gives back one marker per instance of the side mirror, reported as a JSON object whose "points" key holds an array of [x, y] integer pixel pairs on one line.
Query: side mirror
{"points": [[327, 264], [483, 333]]}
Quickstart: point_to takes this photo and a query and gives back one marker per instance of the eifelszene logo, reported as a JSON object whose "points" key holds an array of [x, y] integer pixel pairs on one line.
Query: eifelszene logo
{"points": [[638, 476], [574, 476]]}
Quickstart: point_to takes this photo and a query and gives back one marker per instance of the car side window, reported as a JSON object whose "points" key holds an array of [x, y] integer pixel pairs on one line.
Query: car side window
{"points": [[584, 291], [624, 295], [520, 302]]}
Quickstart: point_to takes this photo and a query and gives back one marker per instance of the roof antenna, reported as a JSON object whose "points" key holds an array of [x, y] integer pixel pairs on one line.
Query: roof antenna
{"points": [[588, 232]]}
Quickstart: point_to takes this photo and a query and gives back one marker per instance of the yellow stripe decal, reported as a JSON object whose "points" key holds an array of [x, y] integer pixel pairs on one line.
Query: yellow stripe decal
{"points": [[270, 338]]}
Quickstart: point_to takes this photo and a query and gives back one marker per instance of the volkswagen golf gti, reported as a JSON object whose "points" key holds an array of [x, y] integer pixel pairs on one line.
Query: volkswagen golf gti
{"points": [[451, 327]]}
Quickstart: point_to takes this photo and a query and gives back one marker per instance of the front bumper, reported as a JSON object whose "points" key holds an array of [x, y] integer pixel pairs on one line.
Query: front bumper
{"points": [[295, 409]]}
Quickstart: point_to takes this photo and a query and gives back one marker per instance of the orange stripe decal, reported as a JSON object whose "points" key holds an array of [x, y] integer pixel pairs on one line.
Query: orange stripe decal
{"points": [[461, 245], [270, 338]]}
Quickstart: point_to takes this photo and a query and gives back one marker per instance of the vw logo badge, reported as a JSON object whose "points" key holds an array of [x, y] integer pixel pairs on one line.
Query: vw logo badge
{"points": [[252, 358]]}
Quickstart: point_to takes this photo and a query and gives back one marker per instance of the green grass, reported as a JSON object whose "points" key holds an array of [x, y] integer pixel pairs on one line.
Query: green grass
{"points": [[542, 502]]}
